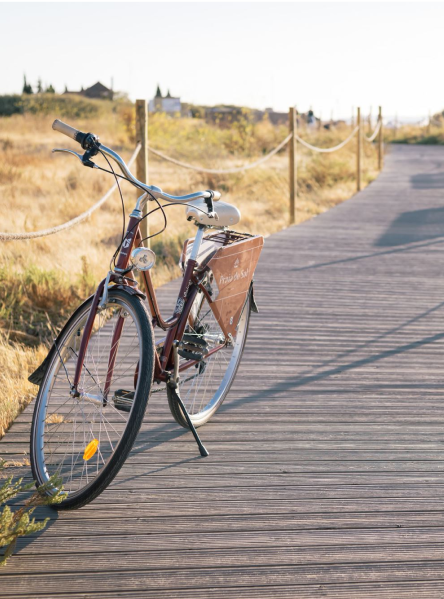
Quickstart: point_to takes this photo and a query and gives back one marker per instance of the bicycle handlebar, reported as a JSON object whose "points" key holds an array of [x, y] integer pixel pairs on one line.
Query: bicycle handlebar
{"points": [[88, 140]]}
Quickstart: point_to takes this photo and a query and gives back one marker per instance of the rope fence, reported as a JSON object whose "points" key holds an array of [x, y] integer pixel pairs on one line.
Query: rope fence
{"points": [[292, 137], [73, 221], [227, 171], [375, 132], [141, 155], [326, 150]]}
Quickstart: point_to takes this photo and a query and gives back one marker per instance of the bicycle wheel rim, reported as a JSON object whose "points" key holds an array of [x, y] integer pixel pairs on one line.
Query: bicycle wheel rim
{"points": [[66, 426]]}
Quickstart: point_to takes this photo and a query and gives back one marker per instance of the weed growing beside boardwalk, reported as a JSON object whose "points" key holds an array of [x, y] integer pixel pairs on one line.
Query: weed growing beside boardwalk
{"points": [[16, 523]]}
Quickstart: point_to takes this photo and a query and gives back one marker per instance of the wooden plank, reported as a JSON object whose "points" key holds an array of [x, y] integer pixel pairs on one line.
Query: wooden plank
{"points": [[224, 558], [189, 506], [141, 580], [237, 540], [100, 528], [387, 590]]}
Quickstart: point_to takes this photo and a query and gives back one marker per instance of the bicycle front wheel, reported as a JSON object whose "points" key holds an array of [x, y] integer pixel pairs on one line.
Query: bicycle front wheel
{"points": [[84, 440]]}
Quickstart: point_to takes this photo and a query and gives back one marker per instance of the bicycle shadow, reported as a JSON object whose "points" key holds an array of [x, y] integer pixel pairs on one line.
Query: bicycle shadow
{"points": [[413, 226], [428, 180], [328, 368], [166, 432], [154, 436], [126, 479], [307, 377], [371, 255]]}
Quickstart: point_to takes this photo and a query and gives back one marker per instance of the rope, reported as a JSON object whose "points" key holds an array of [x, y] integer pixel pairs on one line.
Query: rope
{"points": [[375, 132], [223, 171], [338, 147], [72, 222]]}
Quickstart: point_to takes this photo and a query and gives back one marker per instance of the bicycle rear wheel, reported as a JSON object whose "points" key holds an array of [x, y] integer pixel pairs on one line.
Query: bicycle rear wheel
{"points": [[203, 389], [85, 440]]}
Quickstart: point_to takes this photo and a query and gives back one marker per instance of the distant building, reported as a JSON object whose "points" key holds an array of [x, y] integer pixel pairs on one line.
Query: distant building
{"points": [[167, 103], [276, 118], [225, 116], [97, 91]]}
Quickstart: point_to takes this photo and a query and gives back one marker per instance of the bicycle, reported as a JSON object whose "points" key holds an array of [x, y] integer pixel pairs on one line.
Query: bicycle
{"points": [[96, 380]]}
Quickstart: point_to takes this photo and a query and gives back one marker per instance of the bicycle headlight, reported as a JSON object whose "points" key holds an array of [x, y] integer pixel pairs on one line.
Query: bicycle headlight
{"points": [[143, 258]]}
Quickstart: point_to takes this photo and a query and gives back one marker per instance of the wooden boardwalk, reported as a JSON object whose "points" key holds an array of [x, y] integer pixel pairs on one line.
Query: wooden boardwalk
{"points": [[326, 468]]}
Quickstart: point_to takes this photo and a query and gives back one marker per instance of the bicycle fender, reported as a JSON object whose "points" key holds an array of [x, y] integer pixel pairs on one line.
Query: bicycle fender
{"points": [[254, 307], [38, 375], [130, 290]]}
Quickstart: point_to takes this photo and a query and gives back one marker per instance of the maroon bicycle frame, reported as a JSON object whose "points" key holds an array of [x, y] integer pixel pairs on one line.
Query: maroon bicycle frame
{"points": [[174, 326]]}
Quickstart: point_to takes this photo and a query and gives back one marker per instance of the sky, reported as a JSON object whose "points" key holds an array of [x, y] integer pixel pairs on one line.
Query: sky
{"points": [[328, 56]]}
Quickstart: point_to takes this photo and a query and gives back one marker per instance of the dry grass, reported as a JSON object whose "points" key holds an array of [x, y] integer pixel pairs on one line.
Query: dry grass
{"points": [[414, 134], [16, 364], [42, 280]]}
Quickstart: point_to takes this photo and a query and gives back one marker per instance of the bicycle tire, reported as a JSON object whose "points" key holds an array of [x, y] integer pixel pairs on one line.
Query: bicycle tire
{"points": [[141, 395]]}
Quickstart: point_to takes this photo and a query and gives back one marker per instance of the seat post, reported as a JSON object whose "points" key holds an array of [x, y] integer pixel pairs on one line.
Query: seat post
{"points": [[197, 242]]}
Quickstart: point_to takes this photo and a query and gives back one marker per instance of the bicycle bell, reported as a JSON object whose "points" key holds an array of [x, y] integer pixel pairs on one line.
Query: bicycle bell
{"points": [[143, 258]]}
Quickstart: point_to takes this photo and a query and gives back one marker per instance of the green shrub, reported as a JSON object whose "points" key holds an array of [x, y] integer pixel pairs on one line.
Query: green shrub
{"points": [[10, 105], [19, 523], [50, 103]]}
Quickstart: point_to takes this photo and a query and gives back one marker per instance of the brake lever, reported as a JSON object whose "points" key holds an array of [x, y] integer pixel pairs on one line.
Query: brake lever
{"points": [[86, 162]]}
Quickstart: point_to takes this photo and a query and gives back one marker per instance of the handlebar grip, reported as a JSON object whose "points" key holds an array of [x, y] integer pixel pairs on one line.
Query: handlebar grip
{"points": [[69, 131], [217, 195], [65, 129]]}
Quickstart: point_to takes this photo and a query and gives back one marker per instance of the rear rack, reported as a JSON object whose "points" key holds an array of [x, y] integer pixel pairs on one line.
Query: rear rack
{"points": [[210, 245], [228, 236]]}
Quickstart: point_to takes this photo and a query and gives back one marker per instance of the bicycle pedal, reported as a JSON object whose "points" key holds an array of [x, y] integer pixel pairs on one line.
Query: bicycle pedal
{"points": [[190, 355], [192, 347], [194, 340], [123, 400]]}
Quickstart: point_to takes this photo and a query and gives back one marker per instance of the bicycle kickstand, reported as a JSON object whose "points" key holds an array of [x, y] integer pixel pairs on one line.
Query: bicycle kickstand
{"points": [[173, 384], [203, 451]]}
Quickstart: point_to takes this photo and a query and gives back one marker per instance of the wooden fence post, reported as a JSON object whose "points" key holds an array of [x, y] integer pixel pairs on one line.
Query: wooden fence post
{"points": [[358, 150], [142, 158], [292, 156], [380, 140]]}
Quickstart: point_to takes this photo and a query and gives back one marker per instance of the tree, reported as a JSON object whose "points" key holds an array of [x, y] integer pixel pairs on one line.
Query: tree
{"points": [[50, 89], [39, 86], [27, 87]]}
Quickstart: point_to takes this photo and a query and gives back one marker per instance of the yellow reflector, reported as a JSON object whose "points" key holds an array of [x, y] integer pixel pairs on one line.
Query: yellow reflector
{"points": [[90, 449]]}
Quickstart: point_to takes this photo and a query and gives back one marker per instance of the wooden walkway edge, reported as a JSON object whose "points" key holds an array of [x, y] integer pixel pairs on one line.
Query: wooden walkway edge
{"points": [[326, 469]]}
